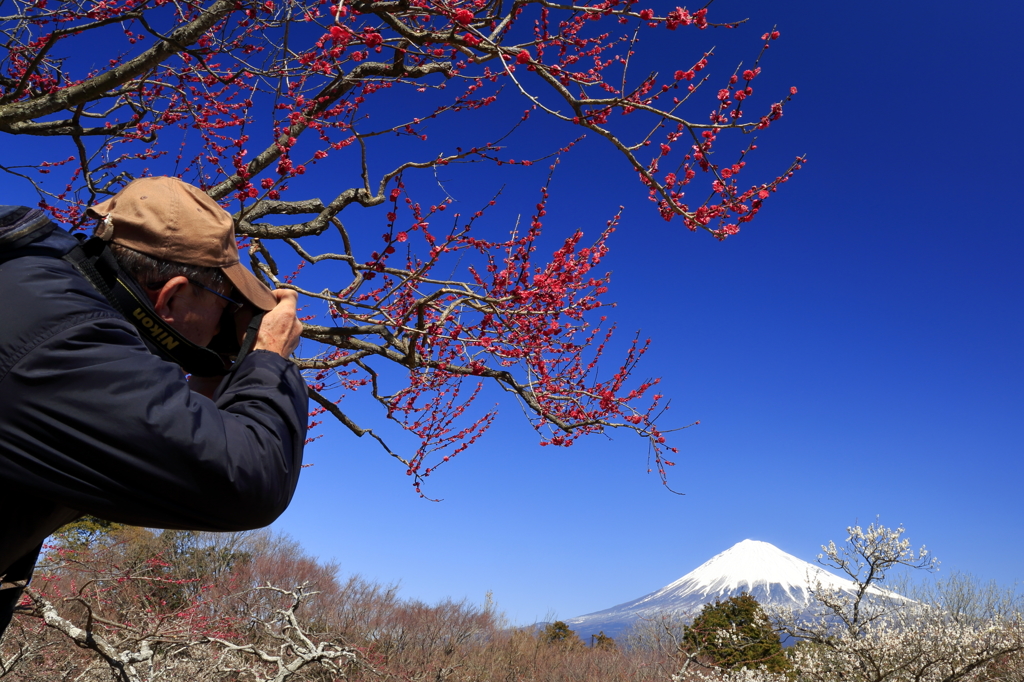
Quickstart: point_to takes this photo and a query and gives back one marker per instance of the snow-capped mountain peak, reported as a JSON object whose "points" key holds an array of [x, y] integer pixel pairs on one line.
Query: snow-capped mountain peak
{"points": [[761, 569], [747, 566]]}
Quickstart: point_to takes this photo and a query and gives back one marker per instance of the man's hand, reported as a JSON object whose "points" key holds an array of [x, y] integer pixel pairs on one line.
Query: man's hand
{"points": [[279, 332], [280, 329]]}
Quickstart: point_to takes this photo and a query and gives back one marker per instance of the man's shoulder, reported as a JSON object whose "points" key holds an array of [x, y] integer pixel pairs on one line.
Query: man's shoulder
{"points": [[42, 294], [21, 225], [36, 280]]}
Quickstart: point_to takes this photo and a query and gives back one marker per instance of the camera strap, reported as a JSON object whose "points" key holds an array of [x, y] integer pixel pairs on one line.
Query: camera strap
{"points": [[96, 263]]}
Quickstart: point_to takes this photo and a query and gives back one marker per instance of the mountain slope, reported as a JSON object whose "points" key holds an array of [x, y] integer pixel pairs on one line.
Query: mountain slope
{"points": [[761, 569]]}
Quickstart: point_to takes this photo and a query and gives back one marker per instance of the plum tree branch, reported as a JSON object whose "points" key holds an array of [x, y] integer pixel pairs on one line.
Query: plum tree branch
{"points": [[14, 113]]}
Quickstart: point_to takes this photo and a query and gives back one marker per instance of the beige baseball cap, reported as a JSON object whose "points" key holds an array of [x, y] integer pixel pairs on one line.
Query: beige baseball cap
{"points": [[168, 219]]}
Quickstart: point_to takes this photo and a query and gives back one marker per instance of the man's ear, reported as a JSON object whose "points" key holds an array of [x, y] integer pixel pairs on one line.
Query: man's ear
{"points": [[168, 300]]}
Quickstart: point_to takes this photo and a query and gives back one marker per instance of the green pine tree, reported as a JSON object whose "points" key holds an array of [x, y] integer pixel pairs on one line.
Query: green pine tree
{"points": [[603, 641], [559, 634], [735, 634], [84, 532]]}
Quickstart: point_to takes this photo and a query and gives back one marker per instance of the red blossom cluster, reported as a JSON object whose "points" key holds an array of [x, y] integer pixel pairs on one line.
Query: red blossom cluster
{"points": [[248, 99]]}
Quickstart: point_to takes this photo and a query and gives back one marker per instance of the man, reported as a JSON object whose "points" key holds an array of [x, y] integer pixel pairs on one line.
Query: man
{"points": [[94, 419]]}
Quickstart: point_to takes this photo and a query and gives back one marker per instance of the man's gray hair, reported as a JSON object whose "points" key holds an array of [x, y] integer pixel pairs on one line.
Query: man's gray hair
{"points": [[148, 270]]}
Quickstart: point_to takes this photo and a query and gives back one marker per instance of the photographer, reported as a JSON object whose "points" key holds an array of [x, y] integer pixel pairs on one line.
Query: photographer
{"points": [[97, 415]]}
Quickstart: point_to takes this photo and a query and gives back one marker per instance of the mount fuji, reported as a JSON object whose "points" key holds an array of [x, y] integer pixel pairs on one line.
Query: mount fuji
{"points": [[761, 569]]}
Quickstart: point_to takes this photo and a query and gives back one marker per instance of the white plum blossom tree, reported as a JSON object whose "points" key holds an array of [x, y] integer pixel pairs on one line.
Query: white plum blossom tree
{"points": [[953, 631]]}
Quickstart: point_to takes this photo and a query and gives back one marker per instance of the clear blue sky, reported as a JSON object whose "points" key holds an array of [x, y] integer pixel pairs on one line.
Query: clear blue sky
{"points": [[855, 351]]}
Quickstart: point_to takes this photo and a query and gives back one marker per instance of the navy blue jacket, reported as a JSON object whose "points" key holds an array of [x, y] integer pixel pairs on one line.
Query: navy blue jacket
{"points": [[92, 422]]}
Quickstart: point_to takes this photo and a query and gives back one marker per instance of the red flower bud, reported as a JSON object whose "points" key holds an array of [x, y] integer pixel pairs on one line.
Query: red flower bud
{"points": [[339, 34]]}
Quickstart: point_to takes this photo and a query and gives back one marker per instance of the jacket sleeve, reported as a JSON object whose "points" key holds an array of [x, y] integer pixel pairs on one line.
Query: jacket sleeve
{"points": [[93, 421]]}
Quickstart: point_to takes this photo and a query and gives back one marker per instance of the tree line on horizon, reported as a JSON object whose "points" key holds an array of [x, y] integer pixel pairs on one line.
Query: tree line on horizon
{"points": [[132, 605]]}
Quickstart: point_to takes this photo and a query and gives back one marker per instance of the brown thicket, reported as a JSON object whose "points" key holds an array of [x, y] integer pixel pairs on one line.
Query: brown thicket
{"points": [[252, 607], [136, 606]]}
